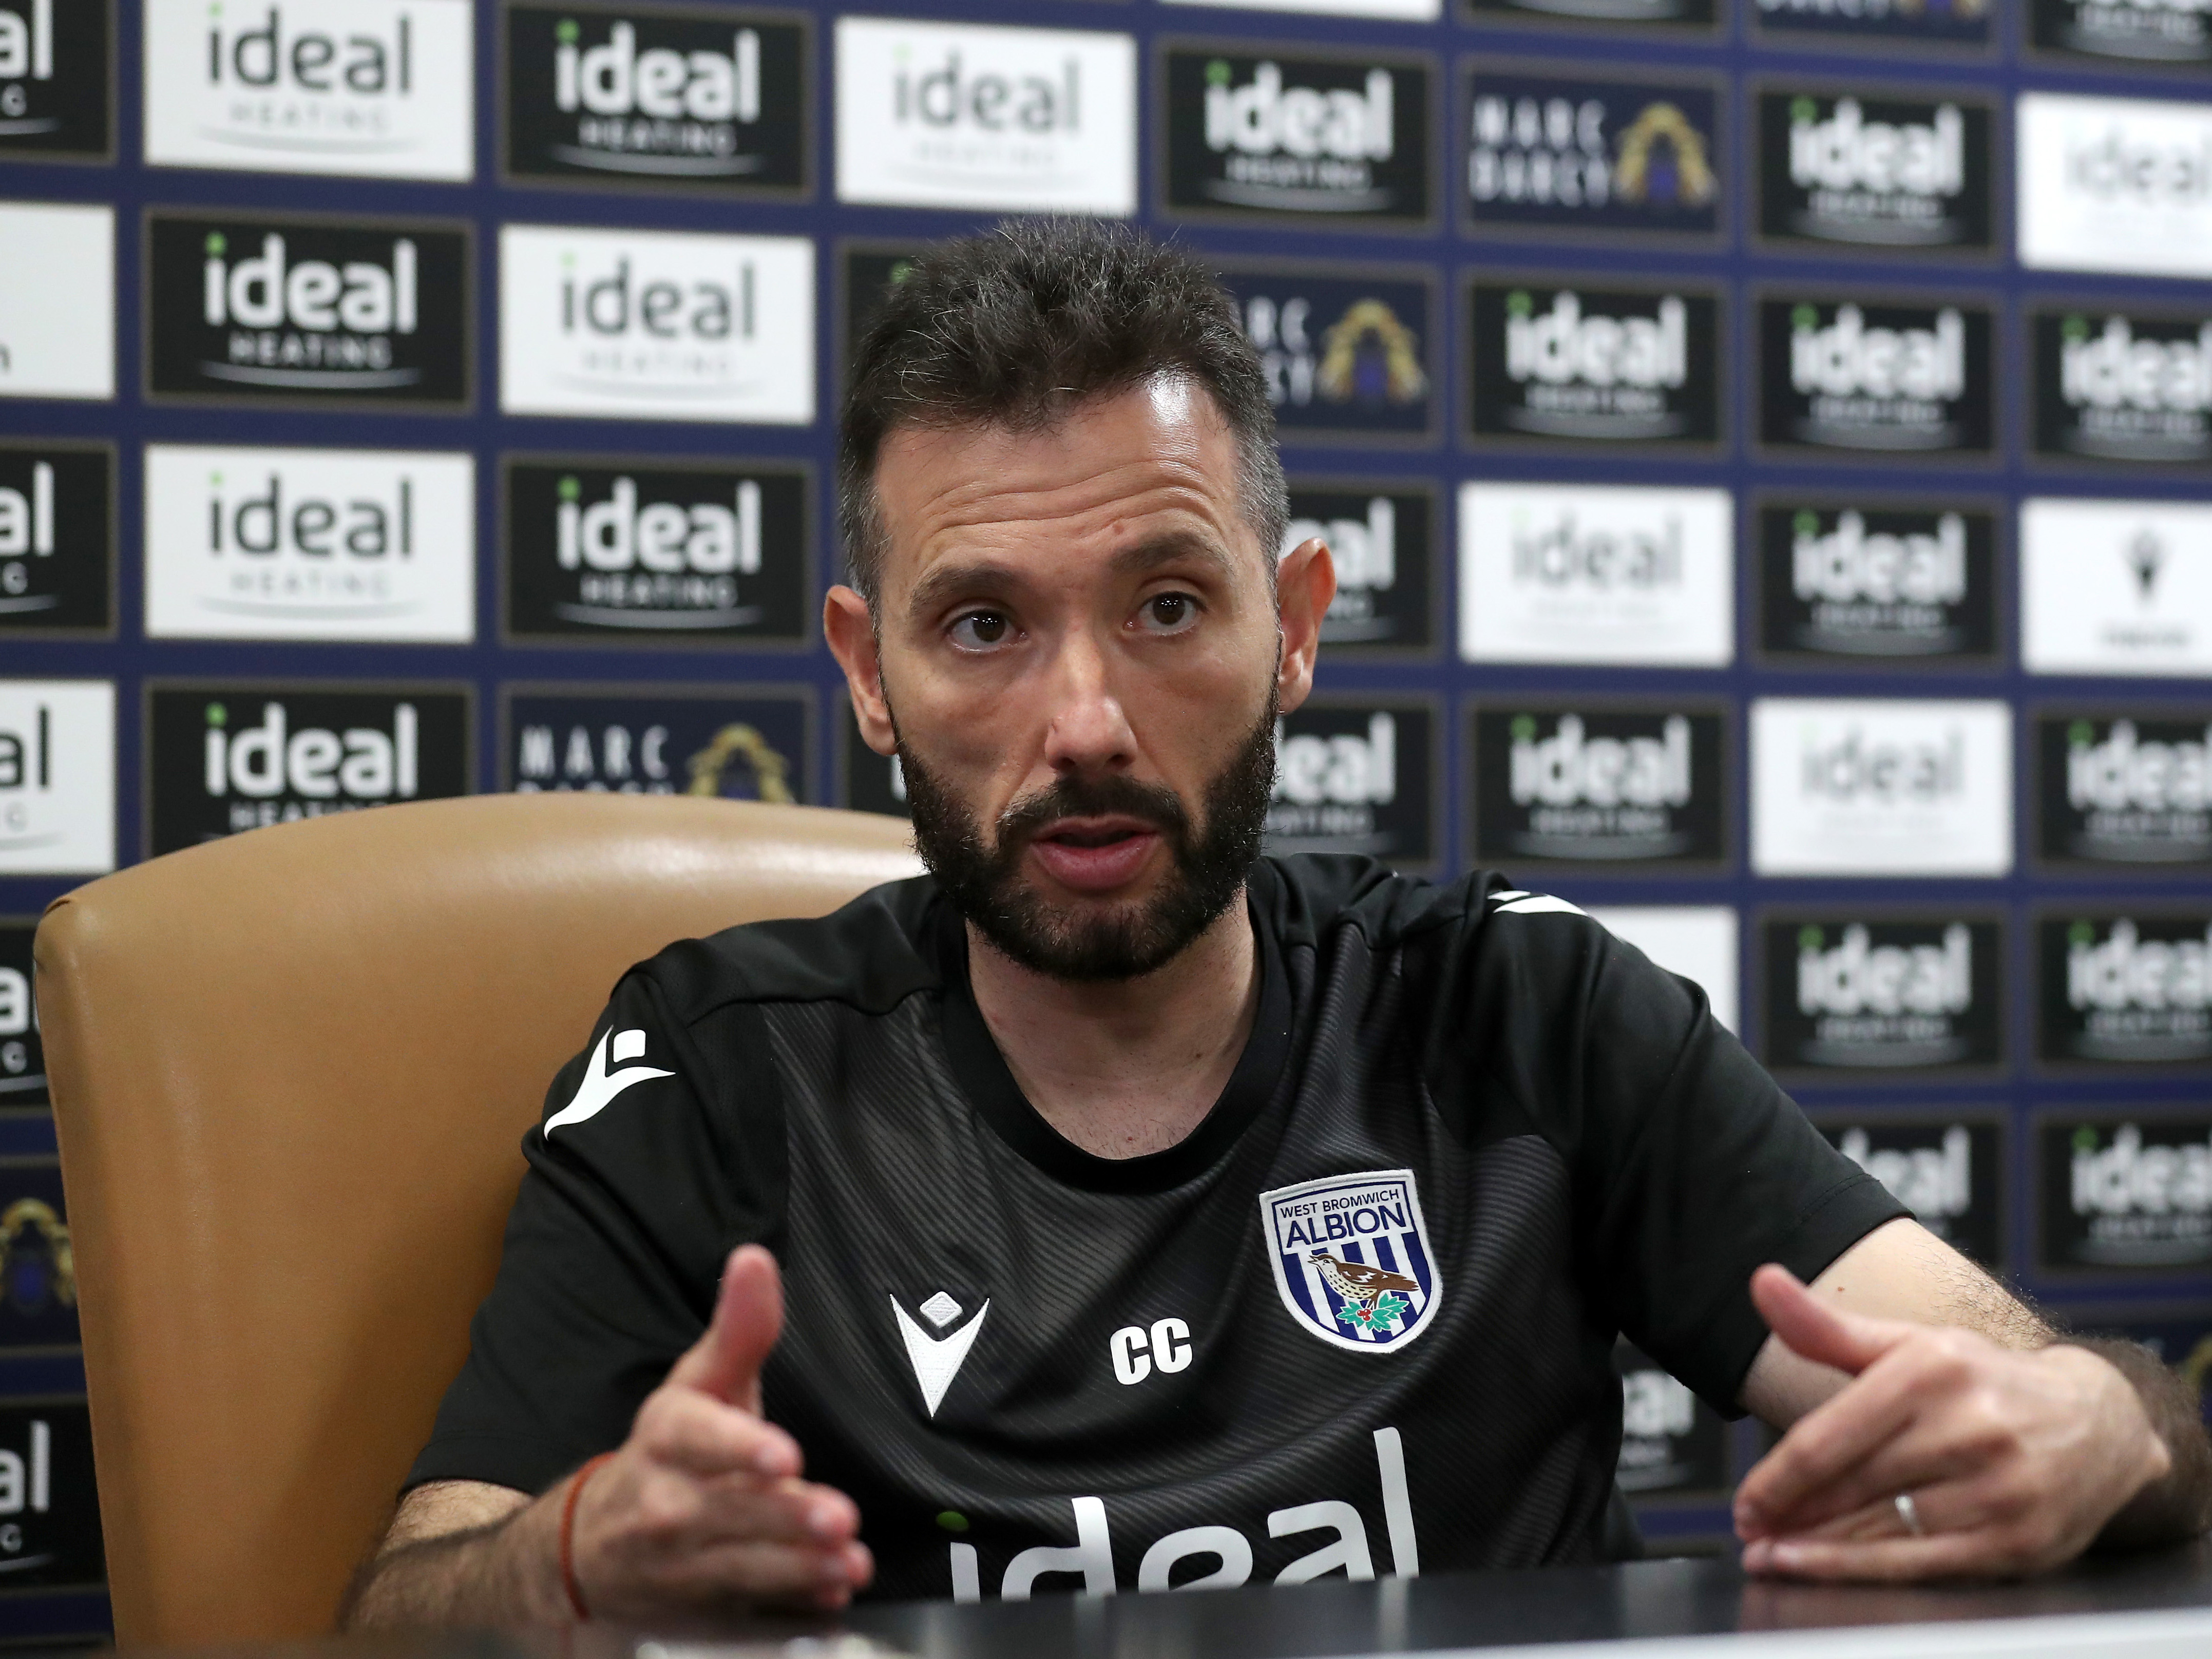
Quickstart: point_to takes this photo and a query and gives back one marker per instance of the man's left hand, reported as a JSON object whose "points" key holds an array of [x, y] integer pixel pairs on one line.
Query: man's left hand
{"points": [[2012, 1461]]}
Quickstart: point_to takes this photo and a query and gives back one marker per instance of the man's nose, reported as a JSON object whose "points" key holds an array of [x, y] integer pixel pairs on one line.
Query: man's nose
{"points": [[1088, 729]]}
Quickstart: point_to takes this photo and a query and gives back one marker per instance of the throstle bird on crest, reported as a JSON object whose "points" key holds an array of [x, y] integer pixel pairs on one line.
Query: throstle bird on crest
{"points": [[1351, 1258]]}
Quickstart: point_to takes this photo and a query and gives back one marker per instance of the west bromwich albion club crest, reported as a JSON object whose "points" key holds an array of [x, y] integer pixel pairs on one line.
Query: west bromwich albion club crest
{"points": [[1351, 1258]]}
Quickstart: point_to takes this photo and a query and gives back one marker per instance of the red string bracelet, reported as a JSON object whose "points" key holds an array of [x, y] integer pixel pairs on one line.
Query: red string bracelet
{"points": [[568, 1537]]}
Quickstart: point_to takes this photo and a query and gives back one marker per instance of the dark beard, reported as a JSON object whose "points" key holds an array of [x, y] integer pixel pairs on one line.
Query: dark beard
{"points": [[1208, 866]]}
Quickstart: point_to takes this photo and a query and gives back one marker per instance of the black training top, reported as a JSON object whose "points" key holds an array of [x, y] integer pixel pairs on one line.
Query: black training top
{"points": [[1361, 1320]]}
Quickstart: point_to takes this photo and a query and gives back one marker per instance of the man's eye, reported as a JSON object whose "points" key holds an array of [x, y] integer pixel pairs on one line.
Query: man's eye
{"points": [[1170, 611], [980, 627]]}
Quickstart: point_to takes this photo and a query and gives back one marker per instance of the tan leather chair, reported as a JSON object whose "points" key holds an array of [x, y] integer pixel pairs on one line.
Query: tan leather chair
{"points": [[290, 1071]]}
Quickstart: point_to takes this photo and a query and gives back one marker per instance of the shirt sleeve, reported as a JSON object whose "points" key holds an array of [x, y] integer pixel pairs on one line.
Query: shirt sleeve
{"points": [[639, 1183]]}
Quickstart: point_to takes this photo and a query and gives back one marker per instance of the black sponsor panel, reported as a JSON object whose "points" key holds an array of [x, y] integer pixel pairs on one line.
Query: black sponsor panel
{"points": [[1382, 539], [1600, 787], [1899, 22], [1672, 1444], [49, 1507], [1875, 170], [1357, 775], [23, 1055], [1592, 366], [1340, 138], [2122, 989], [695, 98], [866, 781], [223, 757], [1876, 583], [2122, 1193], [1574, 152], [1663, 13], [1948, 1168], [56, 79], [1349, 356], [292, 310], [2128, 790], [728, 742], [2123, 387], [56, 539], [1848, 995], [38, 1268], [1867, 378], [2130, 34], [636, 551], [865, 273]]}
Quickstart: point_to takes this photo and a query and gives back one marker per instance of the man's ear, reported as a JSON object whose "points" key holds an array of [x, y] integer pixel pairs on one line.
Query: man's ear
{"points": [[851, 632], [1305, 581]]}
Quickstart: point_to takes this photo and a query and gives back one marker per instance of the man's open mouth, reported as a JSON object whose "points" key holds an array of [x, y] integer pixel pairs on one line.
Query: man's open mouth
{"points": [[1095, 854]]}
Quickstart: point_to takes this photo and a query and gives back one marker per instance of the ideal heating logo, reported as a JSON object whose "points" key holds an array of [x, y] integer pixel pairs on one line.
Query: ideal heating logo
{"points": [[1567, 769], [2121, 167], [1937, 1183], [2130, 31], [54, 78], [320, 769], [1379, 543], [2121, 184], [1846, 567], [2122, 388], [1563, 553], [1855, 977], [1352, 779], [57, 777], [1902, 994], [1876, 377], [1856, 767], [2131, 791], [1876, 173], [1961, 21], [1545, 151], [1590, 365], [2129, 989], [1887, 581], [1599, 786], [382, 87], [2129, 1194]]}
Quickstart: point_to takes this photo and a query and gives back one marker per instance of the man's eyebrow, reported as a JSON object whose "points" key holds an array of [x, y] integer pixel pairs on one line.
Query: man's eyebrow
{"points": [[985, 579], [980, 579], [1170, 545]]}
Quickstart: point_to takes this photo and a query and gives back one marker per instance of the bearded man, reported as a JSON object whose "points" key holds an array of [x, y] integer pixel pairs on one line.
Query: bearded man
{"points": [[1117, 1209]]}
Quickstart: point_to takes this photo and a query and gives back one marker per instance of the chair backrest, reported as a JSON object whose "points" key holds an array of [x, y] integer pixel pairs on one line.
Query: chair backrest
{"points": [[291, 1072]]}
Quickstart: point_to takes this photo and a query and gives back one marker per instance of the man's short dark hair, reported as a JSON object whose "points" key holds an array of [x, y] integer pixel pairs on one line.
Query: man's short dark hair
{"points": [[1017, 325]]}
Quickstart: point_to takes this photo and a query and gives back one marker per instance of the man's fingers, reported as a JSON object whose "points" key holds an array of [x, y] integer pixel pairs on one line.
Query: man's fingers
{"points": [[1823, 1445], [1917, 1457], [699, 1435], [1817, 1331], [727, 1361]]}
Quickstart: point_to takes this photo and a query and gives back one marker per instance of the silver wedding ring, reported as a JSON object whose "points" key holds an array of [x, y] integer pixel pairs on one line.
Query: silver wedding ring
{"points": [[1909, 1512]]}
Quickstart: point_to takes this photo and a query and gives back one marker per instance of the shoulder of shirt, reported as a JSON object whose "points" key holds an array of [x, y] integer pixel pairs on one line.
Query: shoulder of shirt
{"points": [[1315, 894], [871, 954]]}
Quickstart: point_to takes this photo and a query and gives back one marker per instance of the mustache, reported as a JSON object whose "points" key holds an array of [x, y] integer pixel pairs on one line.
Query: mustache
{"points": [[1093, 797]]}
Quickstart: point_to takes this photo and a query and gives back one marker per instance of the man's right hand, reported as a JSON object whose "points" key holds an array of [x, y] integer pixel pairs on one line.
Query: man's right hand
{"points": [[702, 1506]]}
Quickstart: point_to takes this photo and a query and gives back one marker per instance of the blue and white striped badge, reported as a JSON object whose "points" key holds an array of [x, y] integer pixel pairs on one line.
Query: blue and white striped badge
{"points": [[1351, 1258]]}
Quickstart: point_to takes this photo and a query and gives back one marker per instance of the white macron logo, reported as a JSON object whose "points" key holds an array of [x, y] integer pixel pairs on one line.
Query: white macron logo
{"points": [[599, 1086], [937, 1359]]}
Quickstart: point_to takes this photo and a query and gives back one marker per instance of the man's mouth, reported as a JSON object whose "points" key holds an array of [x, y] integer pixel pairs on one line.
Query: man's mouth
{"points": [[1095, 854]]}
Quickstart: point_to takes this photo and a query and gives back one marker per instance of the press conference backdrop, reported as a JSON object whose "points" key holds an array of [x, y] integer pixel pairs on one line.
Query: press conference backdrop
{"points": [[1765, 445]]}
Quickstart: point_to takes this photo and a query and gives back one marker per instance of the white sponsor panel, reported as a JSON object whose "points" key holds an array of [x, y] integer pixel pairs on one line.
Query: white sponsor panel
{"points": [[2115, 183], [658, 325], [1404, 11], [373, 88], [310, 545], [57, 777], [57, 300], [1880, 787], [1697, 941], [2115, 587], [1583, 574], [963, 115]]}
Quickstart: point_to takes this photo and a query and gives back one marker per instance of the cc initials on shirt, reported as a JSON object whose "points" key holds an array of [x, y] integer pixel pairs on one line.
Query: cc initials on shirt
{"points": [[1136, 1351]]}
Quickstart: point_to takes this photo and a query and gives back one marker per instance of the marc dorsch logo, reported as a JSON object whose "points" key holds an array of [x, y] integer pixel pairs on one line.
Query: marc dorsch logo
{"points": [[2130, 988], [1851, 376], [1567, 152], [1693, 14], [1347, 357], [1671, 1441], [1902, 22], [1874, 171], [1321, 139], [2121, 184], [733, 743], [1947, 1171], [372, 88], [1594, 367], [2115, 587], [662, 326], [1596, 574], [1356, 776], [56, 79], [1383, 542], [1851, 993], [1600, 787], [2126, 1194], [2124, 789], [2173, 31], [310, 545], [704, 98], [1877, 583], [298, 310], [2111, 386], [57, 777], [23, 1055], [628, 552], [56, 539], [962, 115], [38, 1267], [1880, 786], [867, 781], [225, 758], [49, 1507]]}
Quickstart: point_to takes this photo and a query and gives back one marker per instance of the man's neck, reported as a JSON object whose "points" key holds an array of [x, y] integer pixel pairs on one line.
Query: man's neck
{"points": [[1124, 1067]]}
